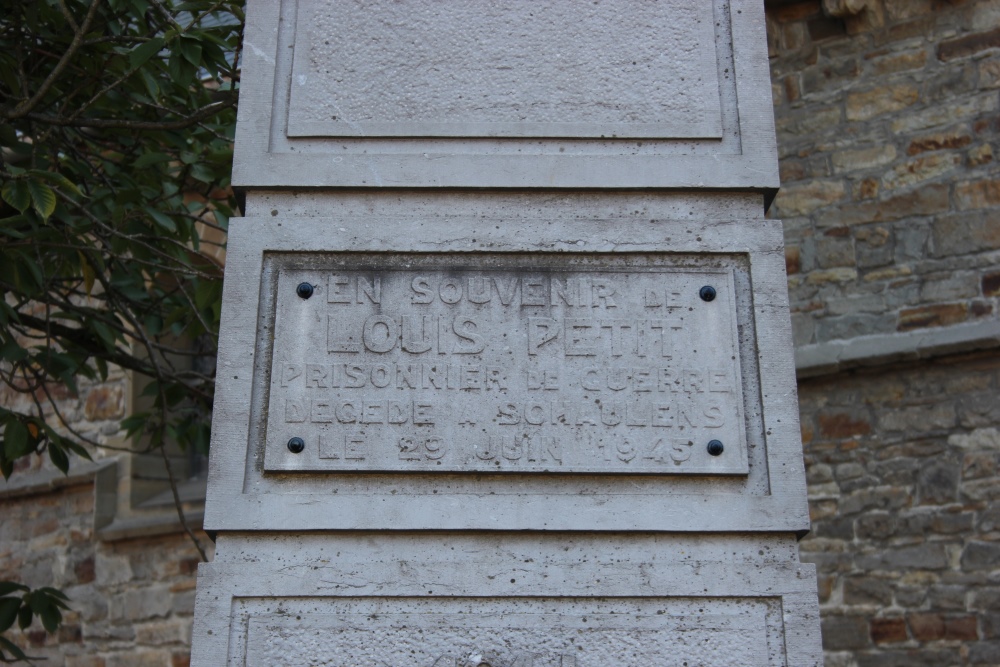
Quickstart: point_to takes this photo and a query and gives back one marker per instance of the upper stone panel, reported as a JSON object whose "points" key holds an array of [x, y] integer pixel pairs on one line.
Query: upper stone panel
{"points": [[518, 94], [513, 69]]}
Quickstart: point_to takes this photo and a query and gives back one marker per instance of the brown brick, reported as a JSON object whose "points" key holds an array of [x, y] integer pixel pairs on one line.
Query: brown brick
{"points": [[842, 425], [863, 158], [939, 315], [104, 402], [978, 194], [868, 189], [898, 62], [888, 630], [964, 233], [921, 169], [991, 284], [902, 31], [980, 308], [804, 198], [879, 101], [84, 570], [969, 45], [825, 27], [792, 260], [796, 11], [962, 628], [923, 201], [938, 141], [980, 155], [926, 627], [989, 74], [842, 633], [84, 661]]}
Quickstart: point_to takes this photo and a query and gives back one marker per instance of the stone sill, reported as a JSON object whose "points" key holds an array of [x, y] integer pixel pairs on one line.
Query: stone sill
{"points": [[163, 523], [44, 481], [841, 355]]}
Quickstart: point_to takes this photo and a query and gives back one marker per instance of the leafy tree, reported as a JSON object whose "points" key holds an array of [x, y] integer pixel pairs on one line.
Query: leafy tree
{"points": [[116, 121]]}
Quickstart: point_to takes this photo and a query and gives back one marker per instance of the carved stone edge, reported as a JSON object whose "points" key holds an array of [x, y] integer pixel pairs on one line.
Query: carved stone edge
{"points": [[881, 349]]}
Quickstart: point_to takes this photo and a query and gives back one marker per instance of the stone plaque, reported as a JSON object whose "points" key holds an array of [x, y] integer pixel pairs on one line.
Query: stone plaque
{"points": [[521, 632], [504, 69], [505, 364]]}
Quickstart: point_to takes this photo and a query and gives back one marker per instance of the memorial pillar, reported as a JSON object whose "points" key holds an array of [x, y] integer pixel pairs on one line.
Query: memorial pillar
{"points": [[505, 370]]}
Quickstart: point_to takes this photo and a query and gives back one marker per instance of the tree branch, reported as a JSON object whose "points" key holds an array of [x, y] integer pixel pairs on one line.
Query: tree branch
{"points": [[24, 108], [107, 123]]}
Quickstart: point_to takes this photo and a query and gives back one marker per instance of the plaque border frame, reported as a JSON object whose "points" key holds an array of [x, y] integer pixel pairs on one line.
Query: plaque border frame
{"points": [[236, 499], [266, 157], [549, 262]]}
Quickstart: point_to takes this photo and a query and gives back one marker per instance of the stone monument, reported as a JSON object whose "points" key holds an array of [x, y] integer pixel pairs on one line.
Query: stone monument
{"points": [[505, 374]]}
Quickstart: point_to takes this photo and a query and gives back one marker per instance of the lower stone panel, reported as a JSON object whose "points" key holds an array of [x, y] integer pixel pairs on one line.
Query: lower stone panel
{"points": [[505, 600], [513, 632]]}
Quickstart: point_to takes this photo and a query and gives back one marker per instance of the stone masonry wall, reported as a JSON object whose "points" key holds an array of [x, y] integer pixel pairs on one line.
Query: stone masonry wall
{"points": [[132, 600], [904, 494], [888, 138], [887, 118]]}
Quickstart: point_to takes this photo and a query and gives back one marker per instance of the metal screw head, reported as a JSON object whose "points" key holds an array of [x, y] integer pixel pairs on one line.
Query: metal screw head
{"points": [[715, 447], [296, 445], [707, 293], [304, 290]]}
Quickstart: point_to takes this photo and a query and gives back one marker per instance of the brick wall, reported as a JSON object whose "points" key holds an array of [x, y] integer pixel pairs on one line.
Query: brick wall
{"points": [[888, 136], [887, 123], [904, 495], [132, 600]]}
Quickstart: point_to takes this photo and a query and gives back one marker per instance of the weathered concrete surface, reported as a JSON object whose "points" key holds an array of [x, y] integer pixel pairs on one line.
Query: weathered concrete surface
{"points": [[507, 366], [506, 600], [494, 95], [244, 495]]}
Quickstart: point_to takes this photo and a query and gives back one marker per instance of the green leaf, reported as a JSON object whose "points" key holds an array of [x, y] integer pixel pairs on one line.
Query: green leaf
{"points": [[145, 51], [11, 351], [8, 587], [16, 193], [60, 180], [8, 136], [51, 617], [15, 440], [8, 612], [58, 458], [43, 199], [147, 159], [162, 220], [88, 273], [24, 617], [191, 50]]}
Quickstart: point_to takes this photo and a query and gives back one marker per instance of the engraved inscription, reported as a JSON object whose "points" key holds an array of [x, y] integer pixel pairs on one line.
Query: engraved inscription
{"points": [[506, 369]]}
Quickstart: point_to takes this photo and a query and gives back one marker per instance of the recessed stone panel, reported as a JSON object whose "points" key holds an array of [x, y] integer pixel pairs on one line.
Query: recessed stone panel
{"points": [[504, 69], [505, 364], [519, 632]]}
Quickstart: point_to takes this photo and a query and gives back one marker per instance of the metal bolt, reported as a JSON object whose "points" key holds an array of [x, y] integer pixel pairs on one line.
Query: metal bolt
{"points": [[296, 445], [707, 293], [304, 290], [714, 447]]}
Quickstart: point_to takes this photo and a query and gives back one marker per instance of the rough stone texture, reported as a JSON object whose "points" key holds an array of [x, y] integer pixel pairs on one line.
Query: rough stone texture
{"points": [[132, 600], [886, 122], [905, 504], [902, 462]]}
